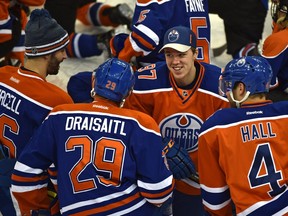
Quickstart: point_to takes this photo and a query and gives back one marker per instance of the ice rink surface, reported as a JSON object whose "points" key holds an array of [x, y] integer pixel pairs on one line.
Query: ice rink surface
{"points": [[73, 65]]}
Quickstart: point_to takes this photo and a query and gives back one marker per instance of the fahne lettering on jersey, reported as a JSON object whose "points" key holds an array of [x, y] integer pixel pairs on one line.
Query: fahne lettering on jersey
{"points": [[257, 131], [104, 125], [9, 101], [183, 128], [194, 6]]}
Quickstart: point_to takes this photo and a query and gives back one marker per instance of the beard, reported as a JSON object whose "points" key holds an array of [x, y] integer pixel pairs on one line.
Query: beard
{"points": [[53, 66]]}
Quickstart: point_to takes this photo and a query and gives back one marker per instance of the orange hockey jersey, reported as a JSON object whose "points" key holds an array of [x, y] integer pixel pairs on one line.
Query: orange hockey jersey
{"points": [[180, 113], [243, 158], [25, 100]]}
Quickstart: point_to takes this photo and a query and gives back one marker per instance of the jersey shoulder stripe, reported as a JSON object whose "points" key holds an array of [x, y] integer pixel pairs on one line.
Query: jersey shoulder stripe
{"points": [[228, 117]]}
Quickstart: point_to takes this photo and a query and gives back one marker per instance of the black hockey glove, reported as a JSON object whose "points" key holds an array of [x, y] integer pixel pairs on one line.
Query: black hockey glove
{"points": [[121, 14], [178, 160]]}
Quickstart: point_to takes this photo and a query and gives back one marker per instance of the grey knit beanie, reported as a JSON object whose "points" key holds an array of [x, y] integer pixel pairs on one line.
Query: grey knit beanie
{"points": [[43, 35]]}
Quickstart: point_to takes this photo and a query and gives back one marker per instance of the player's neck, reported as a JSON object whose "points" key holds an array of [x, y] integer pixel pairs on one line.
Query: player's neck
{"points": [[256, 99], [37, 66], [99, 99]]}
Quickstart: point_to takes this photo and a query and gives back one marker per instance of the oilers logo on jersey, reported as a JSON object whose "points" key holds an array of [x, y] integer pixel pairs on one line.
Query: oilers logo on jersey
{"points": [[183, 128]]}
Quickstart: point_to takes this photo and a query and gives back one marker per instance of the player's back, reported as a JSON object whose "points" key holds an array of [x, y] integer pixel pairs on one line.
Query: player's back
{"points": [[25, 100], [153, 18], [108, 159], [251, 144]]}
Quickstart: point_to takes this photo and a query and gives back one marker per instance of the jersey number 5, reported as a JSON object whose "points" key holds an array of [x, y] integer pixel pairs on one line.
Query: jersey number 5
{"points": [[107, 157], [199, 24]]}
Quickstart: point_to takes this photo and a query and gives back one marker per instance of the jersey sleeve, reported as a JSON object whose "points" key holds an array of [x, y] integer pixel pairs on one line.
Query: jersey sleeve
{"points": [[30, 177], [214, 190], [12, 24], [156, 184], [275, 50], [148, 28]]}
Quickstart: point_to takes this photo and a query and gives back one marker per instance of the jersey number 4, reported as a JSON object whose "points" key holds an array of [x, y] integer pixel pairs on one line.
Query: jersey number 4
{"points": [[263, 171], [107, 157]]}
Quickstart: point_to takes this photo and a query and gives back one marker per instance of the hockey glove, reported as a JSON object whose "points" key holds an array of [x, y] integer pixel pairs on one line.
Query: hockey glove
{"points": [[117, 43], [179, 161], [121, 14]]}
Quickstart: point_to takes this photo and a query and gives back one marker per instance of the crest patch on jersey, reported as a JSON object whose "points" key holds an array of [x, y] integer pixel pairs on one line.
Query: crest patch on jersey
{"points": [[183, 128]]}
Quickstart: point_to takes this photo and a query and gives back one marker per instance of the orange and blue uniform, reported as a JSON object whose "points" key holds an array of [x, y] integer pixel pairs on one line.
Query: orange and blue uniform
{"points": [[25, 100], [243, 158], [104, 161], [179, 112]]}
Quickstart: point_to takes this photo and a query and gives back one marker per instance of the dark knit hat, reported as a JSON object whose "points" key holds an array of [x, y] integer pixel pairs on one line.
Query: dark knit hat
{"points": [[43, 35]]}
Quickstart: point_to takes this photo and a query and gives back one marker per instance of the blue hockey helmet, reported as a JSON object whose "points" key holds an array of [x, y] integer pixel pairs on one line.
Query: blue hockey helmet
{"points": [[114, 79], [254, 72]]}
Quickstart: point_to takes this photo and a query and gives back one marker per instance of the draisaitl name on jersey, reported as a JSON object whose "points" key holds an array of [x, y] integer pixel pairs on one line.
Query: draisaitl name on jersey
{"points": [[104, 125], [9, 101]]}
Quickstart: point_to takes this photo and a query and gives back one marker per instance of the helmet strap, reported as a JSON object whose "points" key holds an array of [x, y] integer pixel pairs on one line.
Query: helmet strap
{"points": [[238, 103]]}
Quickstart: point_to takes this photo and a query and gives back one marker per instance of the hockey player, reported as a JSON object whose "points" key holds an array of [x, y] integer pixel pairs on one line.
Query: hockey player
{"points": [[90, 13], [275, 50], [109, 159], [180, 94], [243, 150], [26, 97], [151, 20], [13, 19]]}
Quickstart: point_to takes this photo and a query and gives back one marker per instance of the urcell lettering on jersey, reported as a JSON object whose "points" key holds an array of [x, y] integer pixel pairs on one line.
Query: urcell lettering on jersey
{"points": [[194, 6], [95, 124], [183, 128], [257, 131], [9, 101]]}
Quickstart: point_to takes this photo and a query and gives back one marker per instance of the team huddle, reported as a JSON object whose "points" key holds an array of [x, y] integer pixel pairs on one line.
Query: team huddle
{"points": [[154, 130]]}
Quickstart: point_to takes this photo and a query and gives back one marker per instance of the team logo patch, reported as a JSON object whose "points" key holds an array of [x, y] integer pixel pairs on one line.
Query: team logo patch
{"points": [[241, 62], [173, 36], [183, 128]]}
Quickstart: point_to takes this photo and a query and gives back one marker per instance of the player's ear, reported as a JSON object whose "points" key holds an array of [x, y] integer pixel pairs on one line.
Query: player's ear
{"points": [[195, 52], [241, 89]]}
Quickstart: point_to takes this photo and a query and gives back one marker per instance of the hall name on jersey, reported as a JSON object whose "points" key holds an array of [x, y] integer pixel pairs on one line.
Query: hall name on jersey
{"points": [[104, 125], [194, 6], [9, 101], [257, 131]]}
